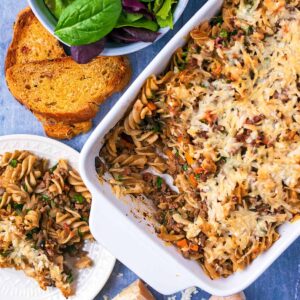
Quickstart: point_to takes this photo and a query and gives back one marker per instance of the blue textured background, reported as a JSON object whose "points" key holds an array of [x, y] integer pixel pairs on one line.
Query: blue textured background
{"points": [[280, 282]]}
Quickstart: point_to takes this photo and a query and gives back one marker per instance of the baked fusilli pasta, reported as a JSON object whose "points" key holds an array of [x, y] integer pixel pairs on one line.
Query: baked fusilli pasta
{"points": [[43, 216], [224, 123]]}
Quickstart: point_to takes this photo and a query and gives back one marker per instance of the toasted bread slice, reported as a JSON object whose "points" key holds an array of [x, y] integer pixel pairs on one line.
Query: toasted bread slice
{"points": [[65, 90], [63, 131], [31, 42]]}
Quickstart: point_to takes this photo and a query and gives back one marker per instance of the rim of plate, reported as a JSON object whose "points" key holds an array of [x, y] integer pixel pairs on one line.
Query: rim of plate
{"points": [[41, 145]]}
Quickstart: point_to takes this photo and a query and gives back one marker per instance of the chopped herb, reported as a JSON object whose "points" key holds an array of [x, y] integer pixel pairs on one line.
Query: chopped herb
{"points": [[13, 163], [163, 217], [234, 32], [224, 43], [181, 67], [51, 170], [250, 2], [84, 219], [185, 167], [18, 207], [119, 177], [71, 249], [70, 278], [177, 152], [197, 176], [5, 253], [80, 233], [30, 233], [216, 21], [249, 30], [223, 33], [203, 85], [78, 198], [156, 127], [25, 187], [45, 197], [159, 182], [184, 54]]}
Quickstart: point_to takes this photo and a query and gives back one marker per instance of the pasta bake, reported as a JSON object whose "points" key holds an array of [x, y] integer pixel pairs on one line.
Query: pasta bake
{"points": [[43, 218], [222, 124]]}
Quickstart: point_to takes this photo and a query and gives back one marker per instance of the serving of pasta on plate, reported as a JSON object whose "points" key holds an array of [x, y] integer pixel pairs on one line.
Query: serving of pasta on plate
{"points": [[223, 122], [44, 213]]}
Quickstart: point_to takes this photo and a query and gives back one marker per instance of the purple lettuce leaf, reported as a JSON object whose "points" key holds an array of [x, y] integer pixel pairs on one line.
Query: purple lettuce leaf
{"points": [[84, 54], [132, 35], [136, 7]]}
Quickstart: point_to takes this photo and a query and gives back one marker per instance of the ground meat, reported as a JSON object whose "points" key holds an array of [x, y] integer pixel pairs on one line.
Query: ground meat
{"points": [[255, 119], [242, 137], [172, 166], [202, 239], [203, 210]]}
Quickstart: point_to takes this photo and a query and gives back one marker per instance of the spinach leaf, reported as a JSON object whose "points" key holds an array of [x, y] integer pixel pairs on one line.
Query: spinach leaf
{"points": [[85, 22], [57, 6], [133, 21]]}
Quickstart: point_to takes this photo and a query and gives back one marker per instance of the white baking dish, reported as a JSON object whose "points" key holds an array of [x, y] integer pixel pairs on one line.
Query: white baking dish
{"points": [[129, 239]]}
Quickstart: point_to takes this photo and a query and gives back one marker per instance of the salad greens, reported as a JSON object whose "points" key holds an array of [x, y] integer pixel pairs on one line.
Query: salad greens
{"points": [[90, 23], [136, 20], [85, 22], [57, 6]]}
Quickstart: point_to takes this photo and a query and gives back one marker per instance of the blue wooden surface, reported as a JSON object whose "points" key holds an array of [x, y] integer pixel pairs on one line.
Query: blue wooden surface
{"points": [[280, 282]]}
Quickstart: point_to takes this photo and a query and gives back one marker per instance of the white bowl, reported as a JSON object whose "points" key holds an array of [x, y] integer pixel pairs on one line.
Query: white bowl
{"points": [[129, 239], [112, 49]]}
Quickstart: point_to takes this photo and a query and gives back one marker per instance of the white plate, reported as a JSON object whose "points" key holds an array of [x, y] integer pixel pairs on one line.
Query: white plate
{"points": [[161, 267], [14, 285]]}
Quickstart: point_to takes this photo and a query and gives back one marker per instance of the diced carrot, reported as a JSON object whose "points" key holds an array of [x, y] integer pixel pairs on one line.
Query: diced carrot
{"points": [[265, 141], [151, 106], [189, 158], [217, 69], [199, 170], [210, 117], [194, 247], [182, 139], [193, 180], [182, 243], [169, 153]]}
